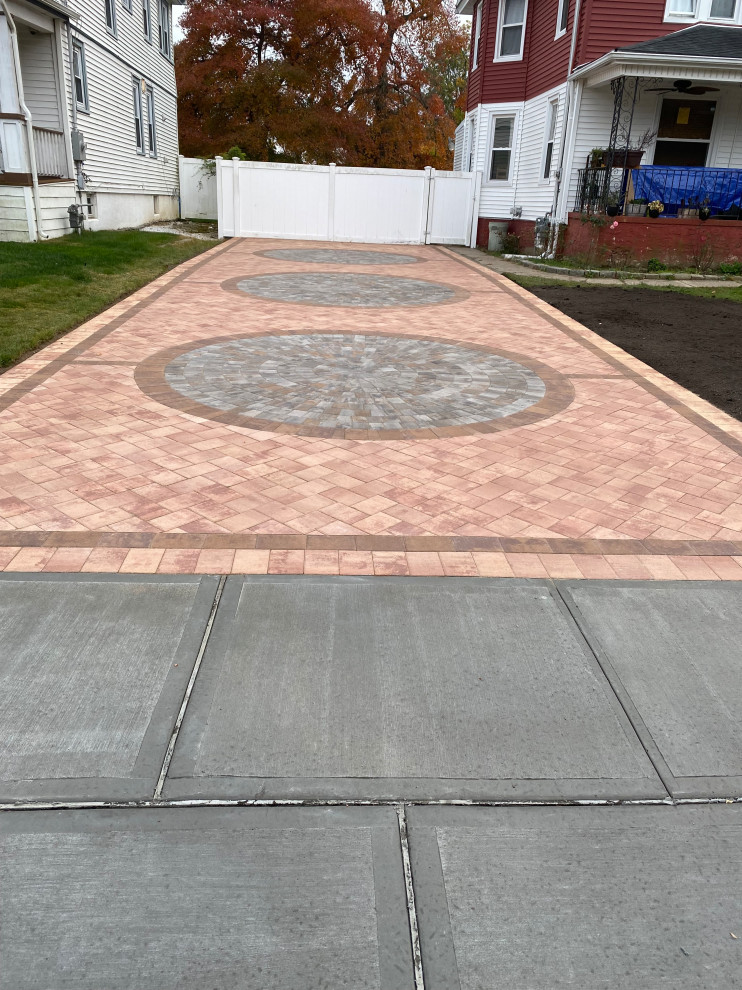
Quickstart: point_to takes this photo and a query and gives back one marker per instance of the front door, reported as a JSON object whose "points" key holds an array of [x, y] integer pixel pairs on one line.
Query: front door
{"points": [[684, 133]]}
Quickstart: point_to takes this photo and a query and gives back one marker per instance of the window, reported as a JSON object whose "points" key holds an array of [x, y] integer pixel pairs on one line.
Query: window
{"points": [[470, 149], [551, 118], [147, 19], [477, 33], [80, 75], [684, 132], [136, 88], [90, 206], [111, 16], [502, 146], [562, 18], [151, 133], [165, 28], [703, 10], [126, 4], [511, 29]]}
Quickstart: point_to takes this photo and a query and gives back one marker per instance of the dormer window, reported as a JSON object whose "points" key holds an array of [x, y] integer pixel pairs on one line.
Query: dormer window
{"points": [[511, 30]]}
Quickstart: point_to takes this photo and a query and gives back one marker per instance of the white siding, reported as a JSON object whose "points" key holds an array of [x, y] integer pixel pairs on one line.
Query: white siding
{"points": [[526, 189], [113, 164], [39, 73], [13, 214], [458, 150], [55, 198]]}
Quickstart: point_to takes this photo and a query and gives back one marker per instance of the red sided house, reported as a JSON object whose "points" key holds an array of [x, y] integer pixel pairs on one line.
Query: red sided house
{"points": [[590, 107]]}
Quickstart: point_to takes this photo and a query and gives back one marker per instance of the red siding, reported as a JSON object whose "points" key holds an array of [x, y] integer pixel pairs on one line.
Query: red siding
{"points": [[547, 58], [609, 24], [604, 25]]}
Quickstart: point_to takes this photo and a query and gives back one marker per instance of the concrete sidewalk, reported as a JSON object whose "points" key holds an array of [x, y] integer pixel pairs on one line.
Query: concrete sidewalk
{"points": [[360, 720]]}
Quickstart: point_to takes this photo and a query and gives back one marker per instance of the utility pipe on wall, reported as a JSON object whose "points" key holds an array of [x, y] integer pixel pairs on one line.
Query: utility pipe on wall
{"points": [[29, 121], [568, 104]]}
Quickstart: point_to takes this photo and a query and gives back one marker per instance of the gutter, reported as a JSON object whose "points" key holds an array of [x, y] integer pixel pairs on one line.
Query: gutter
{"points": [[29, 122]]}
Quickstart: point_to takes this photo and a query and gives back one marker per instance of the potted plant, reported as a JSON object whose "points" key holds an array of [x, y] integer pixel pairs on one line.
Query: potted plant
{"points": [[611, 204], [704, 210], [655, 208]]}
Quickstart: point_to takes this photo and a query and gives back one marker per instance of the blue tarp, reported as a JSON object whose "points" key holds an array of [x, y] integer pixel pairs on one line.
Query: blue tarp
{"points": [[718, 188]]}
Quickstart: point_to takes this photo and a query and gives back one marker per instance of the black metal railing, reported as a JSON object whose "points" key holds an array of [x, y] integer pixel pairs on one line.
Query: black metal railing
{"points": [[683, 192]]}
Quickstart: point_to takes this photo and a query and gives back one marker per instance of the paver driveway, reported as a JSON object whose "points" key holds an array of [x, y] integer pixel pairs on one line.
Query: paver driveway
{"points": [[223, 420]]}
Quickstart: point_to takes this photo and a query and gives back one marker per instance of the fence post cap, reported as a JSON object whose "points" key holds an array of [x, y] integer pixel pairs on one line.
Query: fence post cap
{"points": [[218, 158]]}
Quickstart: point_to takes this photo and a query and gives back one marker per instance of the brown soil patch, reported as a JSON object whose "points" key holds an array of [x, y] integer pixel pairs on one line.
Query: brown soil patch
{"points": [[695, 341]]}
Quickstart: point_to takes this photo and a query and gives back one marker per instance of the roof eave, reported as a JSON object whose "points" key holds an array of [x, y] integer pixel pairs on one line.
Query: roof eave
{"points": [[622, 63], [465, 6], [52, 7]]}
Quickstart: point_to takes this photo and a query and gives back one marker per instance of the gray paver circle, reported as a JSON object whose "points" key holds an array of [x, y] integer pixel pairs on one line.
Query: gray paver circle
{"points": [[355, 381], [340, 256], [346, 289]]}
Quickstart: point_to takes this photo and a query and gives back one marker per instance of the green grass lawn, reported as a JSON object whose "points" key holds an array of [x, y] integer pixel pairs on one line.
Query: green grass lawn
{"points": [[733, 291], [50, 287]]}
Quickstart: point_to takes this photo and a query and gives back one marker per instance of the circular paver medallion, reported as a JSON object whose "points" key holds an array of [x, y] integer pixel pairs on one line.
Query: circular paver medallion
{"points": [[346, 289], [355, 385], [340, 256]]}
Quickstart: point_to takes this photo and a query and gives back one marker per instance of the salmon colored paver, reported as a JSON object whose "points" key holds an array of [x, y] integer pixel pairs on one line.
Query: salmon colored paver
{"points": [[616, 473]]}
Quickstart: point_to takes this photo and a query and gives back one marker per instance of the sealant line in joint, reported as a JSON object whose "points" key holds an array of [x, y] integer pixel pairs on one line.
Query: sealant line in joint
{"points": [[187, 696], [410, 891]]}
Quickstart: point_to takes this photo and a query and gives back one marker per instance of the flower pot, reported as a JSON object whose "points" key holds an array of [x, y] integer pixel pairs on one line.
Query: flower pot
{"points": [[612, 211], [704, 213], [653, 213]]}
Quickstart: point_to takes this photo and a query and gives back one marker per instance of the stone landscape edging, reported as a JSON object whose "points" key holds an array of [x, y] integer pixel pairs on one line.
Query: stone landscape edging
{"points": [[616, 272]]}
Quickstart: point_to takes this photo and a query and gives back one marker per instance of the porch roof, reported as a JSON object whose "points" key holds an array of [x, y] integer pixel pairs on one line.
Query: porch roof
{"points": [[702, 53], [57, 8]]}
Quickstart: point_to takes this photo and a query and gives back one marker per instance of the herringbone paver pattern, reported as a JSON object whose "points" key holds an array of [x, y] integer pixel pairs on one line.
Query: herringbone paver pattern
{"points": [[632, 460]]}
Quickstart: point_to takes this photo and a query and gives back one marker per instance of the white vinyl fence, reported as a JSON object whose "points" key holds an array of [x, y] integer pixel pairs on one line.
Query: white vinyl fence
{"points": [[335, 203], [197, 190]]}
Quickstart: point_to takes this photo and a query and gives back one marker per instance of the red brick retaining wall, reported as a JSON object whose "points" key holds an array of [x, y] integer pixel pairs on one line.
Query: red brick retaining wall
{"points": [[672, 241]]}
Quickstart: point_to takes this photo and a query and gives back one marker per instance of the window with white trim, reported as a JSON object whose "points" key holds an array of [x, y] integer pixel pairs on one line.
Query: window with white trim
{"points": [[562, 18], [147, 19], [477, 34], [80, 76], [136, 90], [126, 4], [470, 144], [511, 29], [549, 133], [151, 126], [165, 28], [111, 16], [688, 11], [502, 148]]}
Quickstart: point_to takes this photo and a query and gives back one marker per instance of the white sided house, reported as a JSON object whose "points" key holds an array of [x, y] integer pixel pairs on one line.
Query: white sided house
{"points": [[88, 116], [575, 106]]}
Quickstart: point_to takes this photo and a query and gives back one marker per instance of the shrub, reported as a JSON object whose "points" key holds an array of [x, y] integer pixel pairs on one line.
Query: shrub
{"points": [[511, 244], [655, 265], [731, 268]]}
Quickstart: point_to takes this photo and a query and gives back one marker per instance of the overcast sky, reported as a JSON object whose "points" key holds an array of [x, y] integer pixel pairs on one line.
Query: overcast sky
{"points": [[177, 11]]}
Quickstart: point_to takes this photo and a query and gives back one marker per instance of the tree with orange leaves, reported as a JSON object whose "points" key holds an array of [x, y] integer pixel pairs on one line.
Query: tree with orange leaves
{"points": [[358, 82]]}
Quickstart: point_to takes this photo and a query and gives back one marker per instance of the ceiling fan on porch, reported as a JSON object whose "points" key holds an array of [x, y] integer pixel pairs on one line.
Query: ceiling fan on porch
{"points": [[685, 87]]}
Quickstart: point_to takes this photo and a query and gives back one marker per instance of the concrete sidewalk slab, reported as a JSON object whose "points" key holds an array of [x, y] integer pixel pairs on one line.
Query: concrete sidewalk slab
{"points": [[270, 899], [673, 652], [92, 673], [596, 898], [343, 688]]}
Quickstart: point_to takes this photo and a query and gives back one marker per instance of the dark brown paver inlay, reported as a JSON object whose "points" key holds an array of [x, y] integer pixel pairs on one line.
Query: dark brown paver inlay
{"points": [[358, 386]]}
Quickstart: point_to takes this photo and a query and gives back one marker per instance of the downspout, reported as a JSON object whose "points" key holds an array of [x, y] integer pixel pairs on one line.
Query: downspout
{"points": [[73, 106], [554, 229], [29, 121]]}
